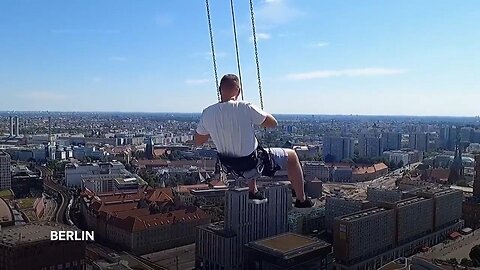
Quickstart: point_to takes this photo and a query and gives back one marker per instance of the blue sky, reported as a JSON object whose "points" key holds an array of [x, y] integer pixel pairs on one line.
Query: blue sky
{"points": [[409, 57]]}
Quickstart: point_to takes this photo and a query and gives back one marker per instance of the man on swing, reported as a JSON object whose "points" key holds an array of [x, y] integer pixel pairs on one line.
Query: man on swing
{"points": [[230, 123]]}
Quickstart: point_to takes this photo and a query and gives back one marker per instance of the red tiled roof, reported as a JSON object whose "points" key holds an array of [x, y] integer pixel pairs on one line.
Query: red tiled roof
{"points": [[140, 223], [370, 169], [217, 183], [122, 210], [133, 213], [119, 207], [160, 195], [455, 235], [380, 166]]}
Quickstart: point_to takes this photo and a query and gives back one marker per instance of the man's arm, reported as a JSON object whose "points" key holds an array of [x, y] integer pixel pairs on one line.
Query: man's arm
{"points": [[200, 139], [262, 118], [269, 122], [201, 133]]}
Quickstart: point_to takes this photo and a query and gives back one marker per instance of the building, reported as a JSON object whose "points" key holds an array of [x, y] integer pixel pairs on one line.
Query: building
{"points": [[370, 147], [104, 183], [127, 184], [129, 219], [397, 157], [75, 173], [448, 136], [316, 169], [287, 251], [363, 234], [221, 245], [5, 171], [25, 182], [447, 205], [306, 223], [404, 228], [28, 247], [476, 136], [338, 206], [392, 141], [367, 173], [11, 127], [342, 174], [17, 126], [457, 172], [414, 218], [306, 151], [380, 195], [149, 149], [420, 141], [313, 188], [471, 206], [415, 156], [336, 149], [409, 184], [467, 133]]}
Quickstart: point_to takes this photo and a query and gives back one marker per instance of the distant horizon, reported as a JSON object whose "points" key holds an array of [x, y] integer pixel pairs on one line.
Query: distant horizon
{"points": [[281, 114]]}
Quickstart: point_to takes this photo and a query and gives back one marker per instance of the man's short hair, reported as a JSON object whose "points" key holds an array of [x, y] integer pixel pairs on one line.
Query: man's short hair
{"points": [[229, 81]]}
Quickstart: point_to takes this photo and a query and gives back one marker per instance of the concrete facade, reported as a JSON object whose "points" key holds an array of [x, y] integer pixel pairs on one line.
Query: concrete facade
{"points": [[363, 234], [221, 245], [336, 207], [5, 171]]}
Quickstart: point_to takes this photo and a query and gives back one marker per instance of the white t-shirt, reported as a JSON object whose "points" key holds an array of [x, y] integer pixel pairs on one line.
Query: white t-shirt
{"points": [[231, 126]]}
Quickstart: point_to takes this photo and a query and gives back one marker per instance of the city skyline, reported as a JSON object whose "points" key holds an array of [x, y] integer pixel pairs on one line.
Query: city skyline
{"points": [[399, 58]]}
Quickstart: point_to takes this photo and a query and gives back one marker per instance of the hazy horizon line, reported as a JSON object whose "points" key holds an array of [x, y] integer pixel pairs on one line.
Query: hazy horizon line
{"points": [[287, 114]]}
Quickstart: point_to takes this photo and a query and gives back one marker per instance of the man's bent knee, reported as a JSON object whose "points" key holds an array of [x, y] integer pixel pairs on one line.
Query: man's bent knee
{"points": [[292, 156]]}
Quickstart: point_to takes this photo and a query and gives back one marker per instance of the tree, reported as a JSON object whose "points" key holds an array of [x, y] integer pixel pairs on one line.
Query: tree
{"points": [[466, 262], [453, 261], [475, 255], [400, 164]]}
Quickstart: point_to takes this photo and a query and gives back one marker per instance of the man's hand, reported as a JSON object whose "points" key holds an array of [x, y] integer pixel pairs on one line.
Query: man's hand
{"points": [[270, 122], [200, 139]]}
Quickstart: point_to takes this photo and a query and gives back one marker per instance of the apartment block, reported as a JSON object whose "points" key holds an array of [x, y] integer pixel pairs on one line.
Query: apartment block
{"points": [[363, 234]]}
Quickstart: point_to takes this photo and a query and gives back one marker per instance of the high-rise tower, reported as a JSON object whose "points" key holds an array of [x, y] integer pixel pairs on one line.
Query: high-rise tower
{"points": [[12, 133], [222, 244], [17, 126], [476, 177], [457, 169], [149, 149]]}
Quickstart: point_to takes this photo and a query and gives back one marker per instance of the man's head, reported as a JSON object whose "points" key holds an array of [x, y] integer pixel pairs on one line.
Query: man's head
{"points": [[230, 87]]}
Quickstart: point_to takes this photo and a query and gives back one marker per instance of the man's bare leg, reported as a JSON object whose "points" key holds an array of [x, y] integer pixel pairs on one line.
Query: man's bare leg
{"points": [[295, 174]]}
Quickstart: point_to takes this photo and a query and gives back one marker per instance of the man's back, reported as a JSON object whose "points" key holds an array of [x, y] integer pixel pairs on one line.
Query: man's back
{"points": [[231, 126]]}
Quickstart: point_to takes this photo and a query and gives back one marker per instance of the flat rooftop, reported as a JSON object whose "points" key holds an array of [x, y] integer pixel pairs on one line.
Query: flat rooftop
{"points": [[438, 191], [289, 245], [218, 228], [363, 214], [30, 232], [411, 201], [285, 242]]}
